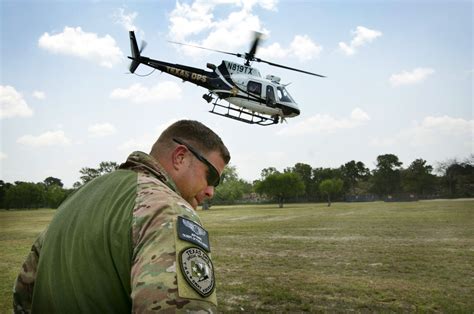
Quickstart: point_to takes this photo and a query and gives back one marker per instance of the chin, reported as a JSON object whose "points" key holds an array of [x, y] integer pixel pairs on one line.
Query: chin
{"points": [[195, 203]]}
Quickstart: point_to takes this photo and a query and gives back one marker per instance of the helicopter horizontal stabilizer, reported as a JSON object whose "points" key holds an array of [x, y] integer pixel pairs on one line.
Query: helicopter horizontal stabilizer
{"points": [[133, 66]]}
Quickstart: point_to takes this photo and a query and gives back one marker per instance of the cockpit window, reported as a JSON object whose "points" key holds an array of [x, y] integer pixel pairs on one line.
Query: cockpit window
{"points": [[254, 88], [283, 95]]}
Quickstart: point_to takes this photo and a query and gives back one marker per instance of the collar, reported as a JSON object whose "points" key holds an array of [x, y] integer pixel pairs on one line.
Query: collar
{"points": [[139, 161]]}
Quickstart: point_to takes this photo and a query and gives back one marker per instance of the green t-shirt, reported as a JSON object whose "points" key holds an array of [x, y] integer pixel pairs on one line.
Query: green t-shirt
{"points": [[85, 260]]}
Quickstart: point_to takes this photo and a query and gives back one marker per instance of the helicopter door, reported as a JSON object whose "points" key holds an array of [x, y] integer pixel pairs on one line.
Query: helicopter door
{"points": [[270, 96]]}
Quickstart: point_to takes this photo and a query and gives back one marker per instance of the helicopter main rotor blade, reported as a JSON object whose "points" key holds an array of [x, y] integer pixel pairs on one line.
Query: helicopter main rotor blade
{"points": [[288, 68], [225, 52], [253, 49]]}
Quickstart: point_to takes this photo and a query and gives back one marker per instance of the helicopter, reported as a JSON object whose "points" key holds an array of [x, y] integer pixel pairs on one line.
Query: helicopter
{"points": [[248, 96]]}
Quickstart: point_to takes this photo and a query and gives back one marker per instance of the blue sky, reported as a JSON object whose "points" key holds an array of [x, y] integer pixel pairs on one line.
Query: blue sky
{"points": [[399, 80]]}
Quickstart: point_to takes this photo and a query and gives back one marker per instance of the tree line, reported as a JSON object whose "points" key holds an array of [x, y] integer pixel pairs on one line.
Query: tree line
{"points": [[352, 181], [47, 194]]}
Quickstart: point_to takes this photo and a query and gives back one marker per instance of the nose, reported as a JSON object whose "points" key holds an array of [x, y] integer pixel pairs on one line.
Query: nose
{"points": [[209, 191]]}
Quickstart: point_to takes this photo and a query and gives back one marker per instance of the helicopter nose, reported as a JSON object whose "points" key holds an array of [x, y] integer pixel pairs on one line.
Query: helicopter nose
{"points": [[290, 111]]}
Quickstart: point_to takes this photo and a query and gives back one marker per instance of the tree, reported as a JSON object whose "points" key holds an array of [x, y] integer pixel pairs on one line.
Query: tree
{"points": [[458, 177], [281, 186], [231, 191], [352, 173], [90, 173], [231, 188], [54, 192], [267, 171], [107, 167], [54, 196], [305, 172], [25, 195], [417, 178], [321, 174], [4, 186], [229, 174], [331, 187], [50, 181], [386, 177]]}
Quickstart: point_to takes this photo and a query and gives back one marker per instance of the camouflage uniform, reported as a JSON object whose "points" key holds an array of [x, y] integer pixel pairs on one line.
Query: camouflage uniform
{"points": [[128, 254]]}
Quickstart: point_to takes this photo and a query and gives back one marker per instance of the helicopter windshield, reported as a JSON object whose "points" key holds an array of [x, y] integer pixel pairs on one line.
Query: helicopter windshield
{"points": [[283, 95]]}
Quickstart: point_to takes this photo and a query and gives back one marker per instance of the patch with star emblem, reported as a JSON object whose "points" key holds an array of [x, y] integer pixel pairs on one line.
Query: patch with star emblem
{"points": [[198, 271]]}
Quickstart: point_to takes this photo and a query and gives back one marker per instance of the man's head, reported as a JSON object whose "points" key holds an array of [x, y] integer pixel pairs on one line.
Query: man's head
{"points": [[193, 155]]}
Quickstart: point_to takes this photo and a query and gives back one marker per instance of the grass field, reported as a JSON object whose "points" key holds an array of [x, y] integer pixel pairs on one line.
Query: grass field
{"points": [[362, 257]]}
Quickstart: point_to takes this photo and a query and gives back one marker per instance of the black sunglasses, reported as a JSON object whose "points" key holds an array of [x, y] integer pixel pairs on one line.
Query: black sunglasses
{"points": [[213, 178]]}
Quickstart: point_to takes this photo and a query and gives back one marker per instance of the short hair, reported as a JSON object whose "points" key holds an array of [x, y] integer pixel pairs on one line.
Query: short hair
{"points": [[194, 133]]}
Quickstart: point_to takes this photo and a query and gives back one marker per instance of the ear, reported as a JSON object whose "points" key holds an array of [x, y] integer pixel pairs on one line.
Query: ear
{"points": [[178, 157]]}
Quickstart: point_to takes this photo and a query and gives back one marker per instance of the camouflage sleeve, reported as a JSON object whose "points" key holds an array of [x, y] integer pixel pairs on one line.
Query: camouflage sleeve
{"points": [[25, 281], [156, 286]]}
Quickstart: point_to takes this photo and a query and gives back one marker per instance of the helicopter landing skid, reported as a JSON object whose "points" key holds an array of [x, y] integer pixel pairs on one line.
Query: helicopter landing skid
{"points": [[243, 115]]}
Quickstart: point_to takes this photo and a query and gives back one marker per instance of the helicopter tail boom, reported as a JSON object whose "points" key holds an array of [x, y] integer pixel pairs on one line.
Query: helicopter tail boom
{"points": [[135, 53]]}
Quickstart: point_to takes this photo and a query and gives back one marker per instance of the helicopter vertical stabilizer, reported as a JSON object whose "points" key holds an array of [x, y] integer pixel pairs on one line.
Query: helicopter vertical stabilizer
{"points": [[135, 52]]}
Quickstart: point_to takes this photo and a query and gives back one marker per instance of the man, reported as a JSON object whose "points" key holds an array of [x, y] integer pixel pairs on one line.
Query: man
{"points": [[130, 241]]}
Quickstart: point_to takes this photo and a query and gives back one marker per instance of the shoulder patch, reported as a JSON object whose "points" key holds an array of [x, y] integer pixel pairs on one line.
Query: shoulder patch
{"points": [[192, 232], [198, 270]]}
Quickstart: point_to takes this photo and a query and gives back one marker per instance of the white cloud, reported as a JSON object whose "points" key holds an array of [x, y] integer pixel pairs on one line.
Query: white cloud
{"points": [[12, 103], [191, 19], [362, 36], [138, 93], [408, 78], [348, 50], [302, 47], [3, 156], [273, 51], [39, 95], [75, 42], [239, 26], [270, 5], [126, 20], [197, 18], [49, 138], [101, 129], [441, 132], [146, 141], [448, 124], [326, 124]]}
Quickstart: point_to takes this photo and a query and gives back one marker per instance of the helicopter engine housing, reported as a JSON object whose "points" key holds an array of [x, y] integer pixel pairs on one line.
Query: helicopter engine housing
{"points": [[273, 78]]}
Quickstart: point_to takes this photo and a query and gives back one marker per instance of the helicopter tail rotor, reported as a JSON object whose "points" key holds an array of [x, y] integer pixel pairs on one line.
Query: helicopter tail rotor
{"points": [[135, 51]]}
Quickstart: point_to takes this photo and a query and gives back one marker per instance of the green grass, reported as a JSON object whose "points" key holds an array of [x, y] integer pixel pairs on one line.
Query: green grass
{"points": [[18, 229], [363, 257]]}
